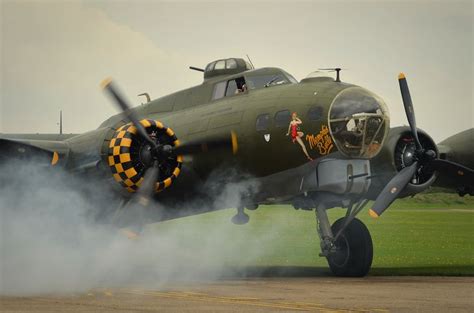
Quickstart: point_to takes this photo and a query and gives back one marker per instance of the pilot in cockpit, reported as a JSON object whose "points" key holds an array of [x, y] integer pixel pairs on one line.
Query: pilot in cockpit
{"points": [[241, 86]]}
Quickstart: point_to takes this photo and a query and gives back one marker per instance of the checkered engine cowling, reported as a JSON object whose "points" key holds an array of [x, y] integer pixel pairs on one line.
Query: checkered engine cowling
{"points": [[124, 154]]}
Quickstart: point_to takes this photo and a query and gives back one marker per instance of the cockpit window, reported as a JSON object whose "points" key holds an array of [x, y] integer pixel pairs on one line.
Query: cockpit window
{"points": [[229, 88], [290, 77], [257, 82], [358, 122], [219, 90]]}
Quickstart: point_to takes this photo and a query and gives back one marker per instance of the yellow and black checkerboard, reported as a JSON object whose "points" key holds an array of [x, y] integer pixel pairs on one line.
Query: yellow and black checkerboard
{"points": [[120, 160]]}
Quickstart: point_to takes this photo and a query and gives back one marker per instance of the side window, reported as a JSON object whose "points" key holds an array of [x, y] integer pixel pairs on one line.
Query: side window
{"points": [[219, 90], [236, 86], [315, 114], [263, 122], [231, 88], [282, 119]]}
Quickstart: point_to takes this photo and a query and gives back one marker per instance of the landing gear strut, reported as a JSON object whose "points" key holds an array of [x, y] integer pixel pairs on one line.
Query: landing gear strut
{"points": [[347, 244]]}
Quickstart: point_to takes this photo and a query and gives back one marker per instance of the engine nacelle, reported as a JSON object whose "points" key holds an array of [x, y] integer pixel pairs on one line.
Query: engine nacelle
{"points": [[397, 153], [129, 155]]}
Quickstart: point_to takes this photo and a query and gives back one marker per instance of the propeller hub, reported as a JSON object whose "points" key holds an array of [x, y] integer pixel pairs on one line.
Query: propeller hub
{"points": [[430, 154], [146, 155], [165, 151], [409, 155]]}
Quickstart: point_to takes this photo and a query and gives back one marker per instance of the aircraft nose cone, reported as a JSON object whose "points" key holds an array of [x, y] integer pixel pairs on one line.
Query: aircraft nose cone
{"points": [[359, 122]]}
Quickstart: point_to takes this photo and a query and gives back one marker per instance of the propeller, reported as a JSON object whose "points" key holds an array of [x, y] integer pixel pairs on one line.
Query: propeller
{"points": [[422, 158], [407, 103], [109, 87], [161, 152]]}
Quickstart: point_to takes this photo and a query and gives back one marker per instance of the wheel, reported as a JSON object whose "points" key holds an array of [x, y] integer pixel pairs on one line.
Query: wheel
{"points": [[354, 250]]}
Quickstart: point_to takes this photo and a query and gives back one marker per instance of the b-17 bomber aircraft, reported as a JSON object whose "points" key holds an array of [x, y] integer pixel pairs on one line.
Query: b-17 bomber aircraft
{"points": [[316, 144]]}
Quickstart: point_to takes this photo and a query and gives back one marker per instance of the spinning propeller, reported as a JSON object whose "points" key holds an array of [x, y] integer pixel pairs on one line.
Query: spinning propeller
{"points": [[422, 158], [158, 153]]}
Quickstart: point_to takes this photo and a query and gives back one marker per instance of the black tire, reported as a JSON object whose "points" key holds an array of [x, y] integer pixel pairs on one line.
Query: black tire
{"points": [[354, 250]]}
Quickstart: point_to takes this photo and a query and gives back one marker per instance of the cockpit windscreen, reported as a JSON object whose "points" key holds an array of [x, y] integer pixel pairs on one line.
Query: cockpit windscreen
{"points": [[262, 81]]}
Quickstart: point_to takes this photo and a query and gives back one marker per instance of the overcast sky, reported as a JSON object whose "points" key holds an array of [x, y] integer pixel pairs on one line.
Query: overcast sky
{"points": [[54, 54]]}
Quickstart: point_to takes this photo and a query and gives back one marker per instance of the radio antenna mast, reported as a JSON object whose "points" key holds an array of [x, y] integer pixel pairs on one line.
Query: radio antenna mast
{"points": [[60, 122], [250, 61]]}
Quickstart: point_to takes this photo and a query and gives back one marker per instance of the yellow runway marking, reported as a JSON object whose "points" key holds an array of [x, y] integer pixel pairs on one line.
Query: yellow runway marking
{"points": [[216, 297], [196, 296], [216, 300]]}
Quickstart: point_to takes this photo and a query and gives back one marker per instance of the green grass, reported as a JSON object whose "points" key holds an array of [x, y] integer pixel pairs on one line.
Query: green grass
{"points": [[430, 234]]}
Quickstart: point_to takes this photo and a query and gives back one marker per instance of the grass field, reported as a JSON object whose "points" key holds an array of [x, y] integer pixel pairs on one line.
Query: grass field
{"points": [[430, 234]]}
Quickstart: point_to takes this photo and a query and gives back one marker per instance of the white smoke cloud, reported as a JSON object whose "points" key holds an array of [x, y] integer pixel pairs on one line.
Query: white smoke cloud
{"points": [[50, 242]]}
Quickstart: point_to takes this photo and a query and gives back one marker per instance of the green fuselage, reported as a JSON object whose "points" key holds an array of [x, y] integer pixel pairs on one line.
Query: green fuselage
{"points": [[192, 114], [266, 146]]}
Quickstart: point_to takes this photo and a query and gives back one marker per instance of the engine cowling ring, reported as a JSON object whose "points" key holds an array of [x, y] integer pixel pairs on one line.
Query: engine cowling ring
{"points": [[124, 156]]}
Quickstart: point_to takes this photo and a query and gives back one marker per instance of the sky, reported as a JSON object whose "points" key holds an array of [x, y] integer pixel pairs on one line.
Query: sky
{"points": [[54, 54]]}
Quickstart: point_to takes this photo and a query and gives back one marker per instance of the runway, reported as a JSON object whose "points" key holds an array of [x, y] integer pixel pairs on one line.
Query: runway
{"points": [[266, 294]]}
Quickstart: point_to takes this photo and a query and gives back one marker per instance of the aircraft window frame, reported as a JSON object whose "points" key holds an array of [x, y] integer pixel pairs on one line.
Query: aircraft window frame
{"points": [[222, 91], [358, 122], [264, 79], [238, 80], [282, 122], [225, 90], [210, 67], [230, 64], [231, 88], [220, 65], [290, 77], [315, 113], [263, 122]]}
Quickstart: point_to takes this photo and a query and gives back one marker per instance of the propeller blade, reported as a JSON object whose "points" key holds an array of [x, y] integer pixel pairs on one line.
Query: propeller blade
{"points": [[407, 103], [147, 187], [392, 189], [108, 86], [453, 171], [137, 205], [206, 145]]}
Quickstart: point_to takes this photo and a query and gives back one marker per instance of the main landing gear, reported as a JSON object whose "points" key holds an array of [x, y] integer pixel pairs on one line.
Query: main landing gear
{"points": [[347, 244]]}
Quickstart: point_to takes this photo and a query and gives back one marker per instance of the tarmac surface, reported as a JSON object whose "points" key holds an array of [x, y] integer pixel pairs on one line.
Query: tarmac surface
{"points": [[267, 294]]}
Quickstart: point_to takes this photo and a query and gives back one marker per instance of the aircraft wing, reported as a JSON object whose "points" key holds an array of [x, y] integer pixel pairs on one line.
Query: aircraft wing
{"points": [[42, 151]]}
